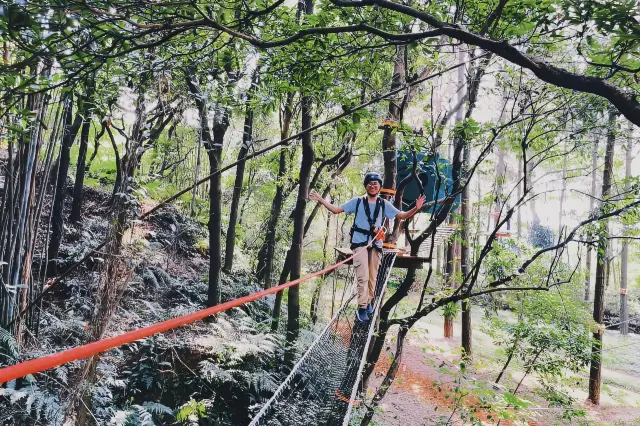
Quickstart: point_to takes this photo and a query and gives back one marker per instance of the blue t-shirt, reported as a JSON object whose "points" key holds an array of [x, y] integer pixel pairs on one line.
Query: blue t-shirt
{"points": [[361, 220]]}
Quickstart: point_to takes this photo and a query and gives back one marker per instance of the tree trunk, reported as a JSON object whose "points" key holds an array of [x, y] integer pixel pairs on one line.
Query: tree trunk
{"points": [[394, 114], [595, 374], [594, 178], [449, 265], [213, 141], [624, 261], [267, 251], [388, 379], [196, 177], [313, 311], [215, 221], [295, 258], [116, 276], [87, 110], [57, 219], [564, 188], [519, 191], [464, 259], [20, 241], [247, 141], [118, 183], [96, 146]]}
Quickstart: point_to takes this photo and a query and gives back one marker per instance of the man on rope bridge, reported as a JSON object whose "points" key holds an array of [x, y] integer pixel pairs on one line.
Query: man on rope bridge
{"points": [[365, 227]]}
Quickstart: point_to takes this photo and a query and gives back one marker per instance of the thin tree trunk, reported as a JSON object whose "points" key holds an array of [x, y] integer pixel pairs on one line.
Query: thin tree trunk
{"points": [[57, 219], [267, 251], [118, 183], [295, 259], [247, 141], [96, 146], [313, 311], [511, 352], [519, 191], [215, 221], [10, 188], [624, 261], [76, 205], [394, 114], [450, 265], [595, 373], [213, 142], [196, 177], [564, 188], [594, 178], [22, 249], [464, 260], [448, 273], [388, 378]]}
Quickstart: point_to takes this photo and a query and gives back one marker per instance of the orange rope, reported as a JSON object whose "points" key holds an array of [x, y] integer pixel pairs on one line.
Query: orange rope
{"points": [[85, 351]]}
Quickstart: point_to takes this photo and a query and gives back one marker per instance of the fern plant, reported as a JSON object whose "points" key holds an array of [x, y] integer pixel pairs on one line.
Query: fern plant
{"points": [[23, 406], [140, 415], [8, 348]]}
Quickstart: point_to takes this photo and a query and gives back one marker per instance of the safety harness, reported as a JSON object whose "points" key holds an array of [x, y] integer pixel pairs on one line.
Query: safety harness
{"points": [[371, 232]]}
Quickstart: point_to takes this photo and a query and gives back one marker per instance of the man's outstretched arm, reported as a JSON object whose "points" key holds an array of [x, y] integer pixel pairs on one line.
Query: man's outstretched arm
{"points": [[314, 196], [414, 210]]}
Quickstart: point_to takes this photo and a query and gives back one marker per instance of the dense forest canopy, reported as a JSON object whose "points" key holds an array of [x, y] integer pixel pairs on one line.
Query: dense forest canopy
{"points": [[157, 158]]}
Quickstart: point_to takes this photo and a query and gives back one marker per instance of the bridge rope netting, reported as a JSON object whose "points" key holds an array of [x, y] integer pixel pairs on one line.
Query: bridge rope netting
{"points": [[322, 387]]}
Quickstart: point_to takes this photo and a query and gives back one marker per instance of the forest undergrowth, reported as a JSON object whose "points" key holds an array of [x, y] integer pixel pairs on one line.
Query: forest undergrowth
{"points": [[225, 365]]}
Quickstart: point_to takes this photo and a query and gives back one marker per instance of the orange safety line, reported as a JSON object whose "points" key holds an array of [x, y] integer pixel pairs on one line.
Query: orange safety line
{"points": [[345, 399], [37, 365], [387, 191]]}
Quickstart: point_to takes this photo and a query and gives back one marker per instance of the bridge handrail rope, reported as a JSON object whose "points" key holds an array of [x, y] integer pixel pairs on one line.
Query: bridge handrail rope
{"points": [[342, 343], [46, 362], [295, 368], [365, 351]]}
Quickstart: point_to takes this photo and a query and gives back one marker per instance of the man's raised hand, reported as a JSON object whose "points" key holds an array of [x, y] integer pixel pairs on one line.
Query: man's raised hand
{"points": [[420, 201], [314, 196]]}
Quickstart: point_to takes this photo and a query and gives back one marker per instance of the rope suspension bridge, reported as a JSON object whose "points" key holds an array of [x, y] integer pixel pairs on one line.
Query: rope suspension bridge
{"points": [[320, 389]]}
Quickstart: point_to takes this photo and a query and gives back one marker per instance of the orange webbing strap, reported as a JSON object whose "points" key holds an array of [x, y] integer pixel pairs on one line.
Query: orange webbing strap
{"points": [[387, 191], [345, 399], [49, 361]]}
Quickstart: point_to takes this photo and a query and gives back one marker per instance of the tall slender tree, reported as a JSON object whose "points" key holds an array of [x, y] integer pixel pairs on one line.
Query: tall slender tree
{"points": [[624, 261], [595, 372], [247, 142], [592, 198]]}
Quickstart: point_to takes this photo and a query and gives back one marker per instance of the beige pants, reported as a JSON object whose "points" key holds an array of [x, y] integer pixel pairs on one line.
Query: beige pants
{"points": [[366, 263]]}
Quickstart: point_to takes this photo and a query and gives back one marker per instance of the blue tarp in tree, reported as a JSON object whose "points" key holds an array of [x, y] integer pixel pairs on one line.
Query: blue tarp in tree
{"points": [[433, 171]]}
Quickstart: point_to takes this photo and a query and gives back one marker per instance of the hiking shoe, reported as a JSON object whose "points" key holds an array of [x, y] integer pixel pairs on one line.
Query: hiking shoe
{"points": [[369, 309], [361, 315]]}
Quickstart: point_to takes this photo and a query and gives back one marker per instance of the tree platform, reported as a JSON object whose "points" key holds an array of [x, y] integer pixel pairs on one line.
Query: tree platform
{"points": [[403, 259]]}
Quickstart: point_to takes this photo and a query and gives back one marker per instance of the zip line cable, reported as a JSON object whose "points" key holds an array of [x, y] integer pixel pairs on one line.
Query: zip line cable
{"points": [[254, 154]]}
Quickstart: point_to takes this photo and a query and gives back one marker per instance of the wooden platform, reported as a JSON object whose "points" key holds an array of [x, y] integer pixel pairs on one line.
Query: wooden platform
{"points": [[403, 259]]}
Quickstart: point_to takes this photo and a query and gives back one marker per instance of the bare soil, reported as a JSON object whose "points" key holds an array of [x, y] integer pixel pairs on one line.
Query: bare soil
{"points": [[414, 398]]}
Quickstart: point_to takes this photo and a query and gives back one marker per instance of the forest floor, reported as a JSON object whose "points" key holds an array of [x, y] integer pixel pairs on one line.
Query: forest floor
{"points": [[414, 400]]}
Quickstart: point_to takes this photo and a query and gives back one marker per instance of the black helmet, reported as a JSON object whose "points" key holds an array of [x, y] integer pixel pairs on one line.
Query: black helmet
{"points": [[371, 177]]}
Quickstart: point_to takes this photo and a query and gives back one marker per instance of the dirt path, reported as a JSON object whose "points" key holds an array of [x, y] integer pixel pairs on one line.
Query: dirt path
{"points": [[413, 400]]}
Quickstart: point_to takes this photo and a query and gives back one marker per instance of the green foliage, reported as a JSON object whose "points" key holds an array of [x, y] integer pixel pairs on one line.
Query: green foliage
{"points": [[451, 310], [29, 403], [9, 351], [191, 412]]}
